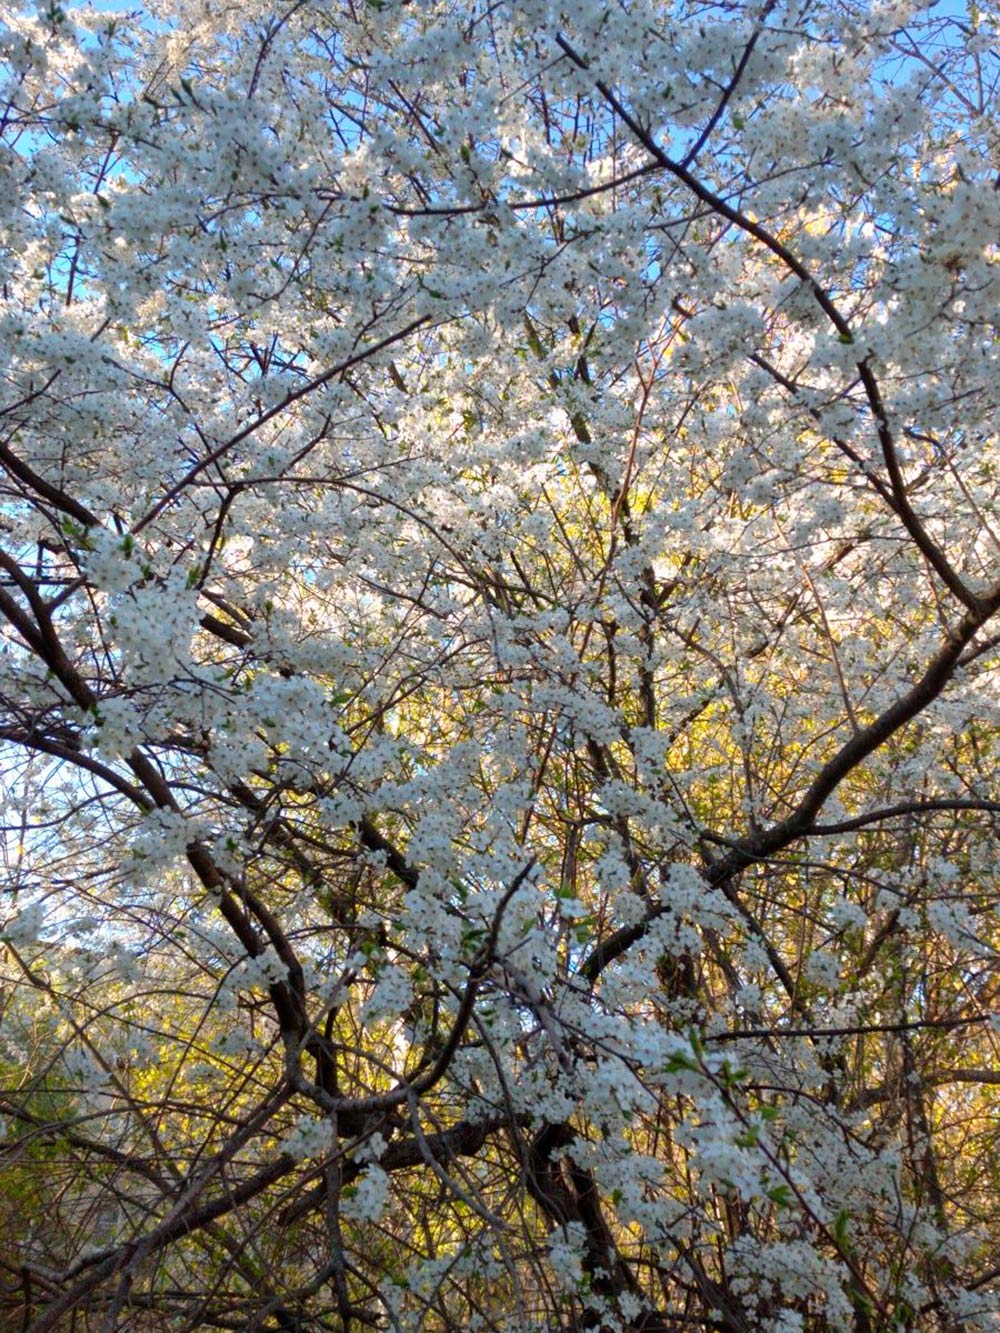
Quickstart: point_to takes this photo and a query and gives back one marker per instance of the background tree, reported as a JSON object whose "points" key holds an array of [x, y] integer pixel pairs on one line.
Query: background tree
{"points": [[500, 581]]}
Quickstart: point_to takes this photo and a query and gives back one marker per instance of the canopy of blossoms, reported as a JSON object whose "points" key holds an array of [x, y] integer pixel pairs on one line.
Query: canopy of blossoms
{"points": [[499, 717]]}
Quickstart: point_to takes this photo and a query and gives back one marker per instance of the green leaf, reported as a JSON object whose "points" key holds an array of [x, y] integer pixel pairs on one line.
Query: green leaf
{"points": [[730, 1077], [679, 1061]]}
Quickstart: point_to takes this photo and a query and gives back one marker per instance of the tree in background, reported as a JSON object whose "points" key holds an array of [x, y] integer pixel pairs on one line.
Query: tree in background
{"points": [[500, 570]]}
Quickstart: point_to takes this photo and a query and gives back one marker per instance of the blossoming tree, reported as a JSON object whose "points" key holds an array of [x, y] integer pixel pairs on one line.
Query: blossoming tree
{"points": [[499, 576]]}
